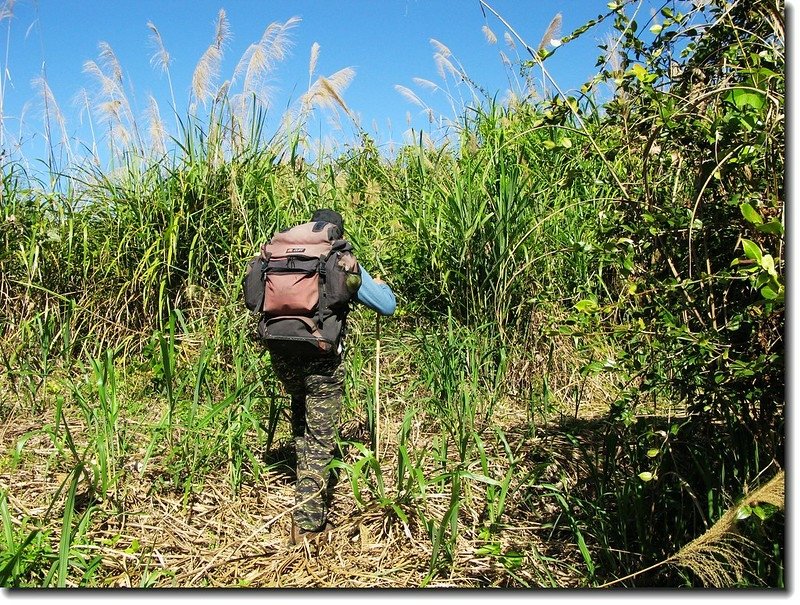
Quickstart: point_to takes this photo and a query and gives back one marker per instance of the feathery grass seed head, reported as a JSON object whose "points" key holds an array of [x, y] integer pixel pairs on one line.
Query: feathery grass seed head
{"points": [[161, 58]]}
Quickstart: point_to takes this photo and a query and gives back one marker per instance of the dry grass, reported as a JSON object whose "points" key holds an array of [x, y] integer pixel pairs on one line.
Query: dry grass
{"points": [[219, 538], [153, 535]]}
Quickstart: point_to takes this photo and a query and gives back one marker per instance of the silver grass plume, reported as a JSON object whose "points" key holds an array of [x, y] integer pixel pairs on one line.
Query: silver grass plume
{"points": [[719, 557], [552, 32], [108, 59], [613, 59], [52, 111], [7, 10], [312, 61], [425, 83], [108, 87], [157, 131], [259, 59], [81, 99], [440, 48], [161, 59], [326, 93], [332, 88], [113, 105], [410, 96], [444, 66], [111, 112], [208, 67]]}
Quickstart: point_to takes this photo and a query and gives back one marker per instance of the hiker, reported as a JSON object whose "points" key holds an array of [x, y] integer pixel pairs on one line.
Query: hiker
{"points": [[314, 376]]}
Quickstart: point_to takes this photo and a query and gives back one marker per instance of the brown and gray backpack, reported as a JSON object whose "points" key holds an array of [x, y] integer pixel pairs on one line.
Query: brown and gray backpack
{"points": [[301, 283]]}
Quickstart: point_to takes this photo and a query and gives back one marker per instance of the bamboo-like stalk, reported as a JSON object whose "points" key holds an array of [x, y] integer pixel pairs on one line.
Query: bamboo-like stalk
{"points": [[6, 13], [377, 401]]}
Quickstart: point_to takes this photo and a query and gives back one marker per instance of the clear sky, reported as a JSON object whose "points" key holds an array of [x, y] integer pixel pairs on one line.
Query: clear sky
{"points": [[387, 42]]}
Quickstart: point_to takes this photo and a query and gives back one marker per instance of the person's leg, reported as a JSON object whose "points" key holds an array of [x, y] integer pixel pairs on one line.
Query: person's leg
{"points": [[290, 371], [324, 392], [298, 416]]}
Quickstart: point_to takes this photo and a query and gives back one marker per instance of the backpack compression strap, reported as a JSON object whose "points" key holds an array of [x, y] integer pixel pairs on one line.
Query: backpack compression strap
{"points": [[322, 289]]}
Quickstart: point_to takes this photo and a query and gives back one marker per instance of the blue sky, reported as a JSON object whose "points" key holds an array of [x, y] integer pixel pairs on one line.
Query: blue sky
{"points": [[387, 42]]}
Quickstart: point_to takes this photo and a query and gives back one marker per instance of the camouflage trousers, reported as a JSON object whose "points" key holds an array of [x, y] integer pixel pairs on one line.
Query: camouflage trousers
{"points": [[316, 386]]}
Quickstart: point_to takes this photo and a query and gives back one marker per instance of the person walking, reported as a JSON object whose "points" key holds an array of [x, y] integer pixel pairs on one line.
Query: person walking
{"points": [[315, 383]]}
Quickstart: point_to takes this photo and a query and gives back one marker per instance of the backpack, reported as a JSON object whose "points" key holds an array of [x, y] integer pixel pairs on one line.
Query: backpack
{"points": [[301, 283]]}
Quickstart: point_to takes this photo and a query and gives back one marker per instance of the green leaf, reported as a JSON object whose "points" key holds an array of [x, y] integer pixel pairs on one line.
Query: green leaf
{"points": [[769, 292], [400, 513], [8, 571], [586, 305], [512, 560], [768, 264], [760, 513], [656, 28], [750, 214], [627, 264], [773, 228], [592, 368], [134, 547], [653, 452], [763, 279], [765, 511], [743, 97], [639, 72], [65, 543], [646, 476], [488, 549], [751, 250], [587, 557], [744, 512]]}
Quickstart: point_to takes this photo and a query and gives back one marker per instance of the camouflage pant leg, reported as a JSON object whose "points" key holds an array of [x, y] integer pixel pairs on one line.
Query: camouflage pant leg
{"points": [[289, 371], [323, 388], [324, 391]]}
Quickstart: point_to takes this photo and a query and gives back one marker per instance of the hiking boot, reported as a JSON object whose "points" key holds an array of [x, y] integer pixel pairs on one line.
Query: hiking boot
{"points": [[298, 534]]}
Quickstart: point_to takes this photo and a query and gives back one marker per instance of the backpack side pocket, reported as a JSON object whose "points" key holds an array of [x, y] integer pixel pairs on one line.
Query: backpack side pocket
{"points": [[253, 284]]}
